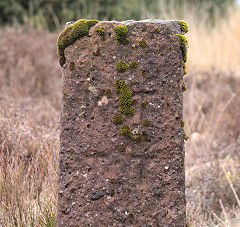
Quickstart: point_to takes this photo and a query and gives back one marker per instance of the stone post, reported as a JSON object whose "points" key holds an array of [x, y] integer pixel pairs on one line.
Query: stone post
{"points": [[122, 137]]}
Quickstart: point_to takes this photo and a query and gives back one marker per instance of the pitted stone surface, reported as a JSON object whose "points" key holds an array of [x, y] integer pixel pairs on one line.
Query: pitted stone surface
{"points": [[105, 178]]}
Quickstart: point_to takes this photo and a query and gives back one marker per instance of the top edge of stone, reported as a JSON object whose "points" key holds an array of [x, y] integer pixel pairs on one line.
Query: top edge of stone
{"points": [[159, 21], [127, 22]]}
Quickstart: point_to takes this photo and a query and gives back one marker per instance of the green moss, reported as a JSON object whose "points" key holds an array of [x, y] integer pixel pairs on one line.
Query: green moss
{"points": [[124, 95], [72, 66], [117, 118], [121, 30], [184, 67], [182, 123], [144, 104], [133, 64], [183, 46], [72, 33], [119, 85], [127, 110], [101, 31], [185, 136], [107, 92], [121, 33], [184, 88], [121, 66], [125, 130], [183, 26], [145, 122], [142, 43]]}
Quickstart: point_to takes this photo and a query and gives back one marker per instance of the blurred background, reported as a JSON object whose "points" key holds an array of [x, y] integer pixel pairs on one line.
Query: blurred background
{"points": [[30, 103]]}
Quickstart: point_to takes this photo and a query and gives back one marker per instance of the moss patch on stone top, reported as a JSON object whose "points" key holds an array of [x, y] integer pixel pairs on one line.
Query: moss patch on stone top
{"points": [[183, 26], [121, 33], [72, 33]]}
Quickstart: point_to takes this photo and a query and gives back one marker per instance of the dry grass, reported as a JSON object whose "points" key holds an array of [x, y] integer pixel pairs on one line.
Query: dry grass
{"points": [[212, 116], [218, 47], [29, 120]]}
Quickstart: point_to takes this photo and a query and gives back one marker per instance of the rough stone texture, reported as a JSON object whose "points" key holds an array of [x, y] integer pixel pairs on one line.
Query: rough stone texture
{"points": [[107, 179]]}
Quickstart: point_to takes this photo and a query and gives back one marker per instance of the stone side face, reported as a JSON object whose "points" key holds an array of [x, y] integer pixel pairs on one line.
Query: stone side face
{"points": [[107, 178]]}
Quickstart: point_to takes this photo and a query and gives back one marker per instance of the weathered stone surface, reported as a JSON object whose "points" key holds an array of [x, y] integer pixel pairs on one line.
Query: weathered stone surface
{"points": [[111, 177]]}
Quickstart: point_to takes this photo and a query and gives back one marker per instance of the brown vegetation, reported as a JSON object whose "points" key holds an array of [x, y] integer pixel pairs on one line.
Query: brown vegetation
{"points": [[29, 121]]}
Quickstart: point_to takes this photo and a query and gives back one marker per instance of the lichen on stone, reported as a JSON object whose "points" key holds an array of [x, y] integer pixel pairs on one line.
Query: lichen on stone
{"points": [[72, 33]]}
